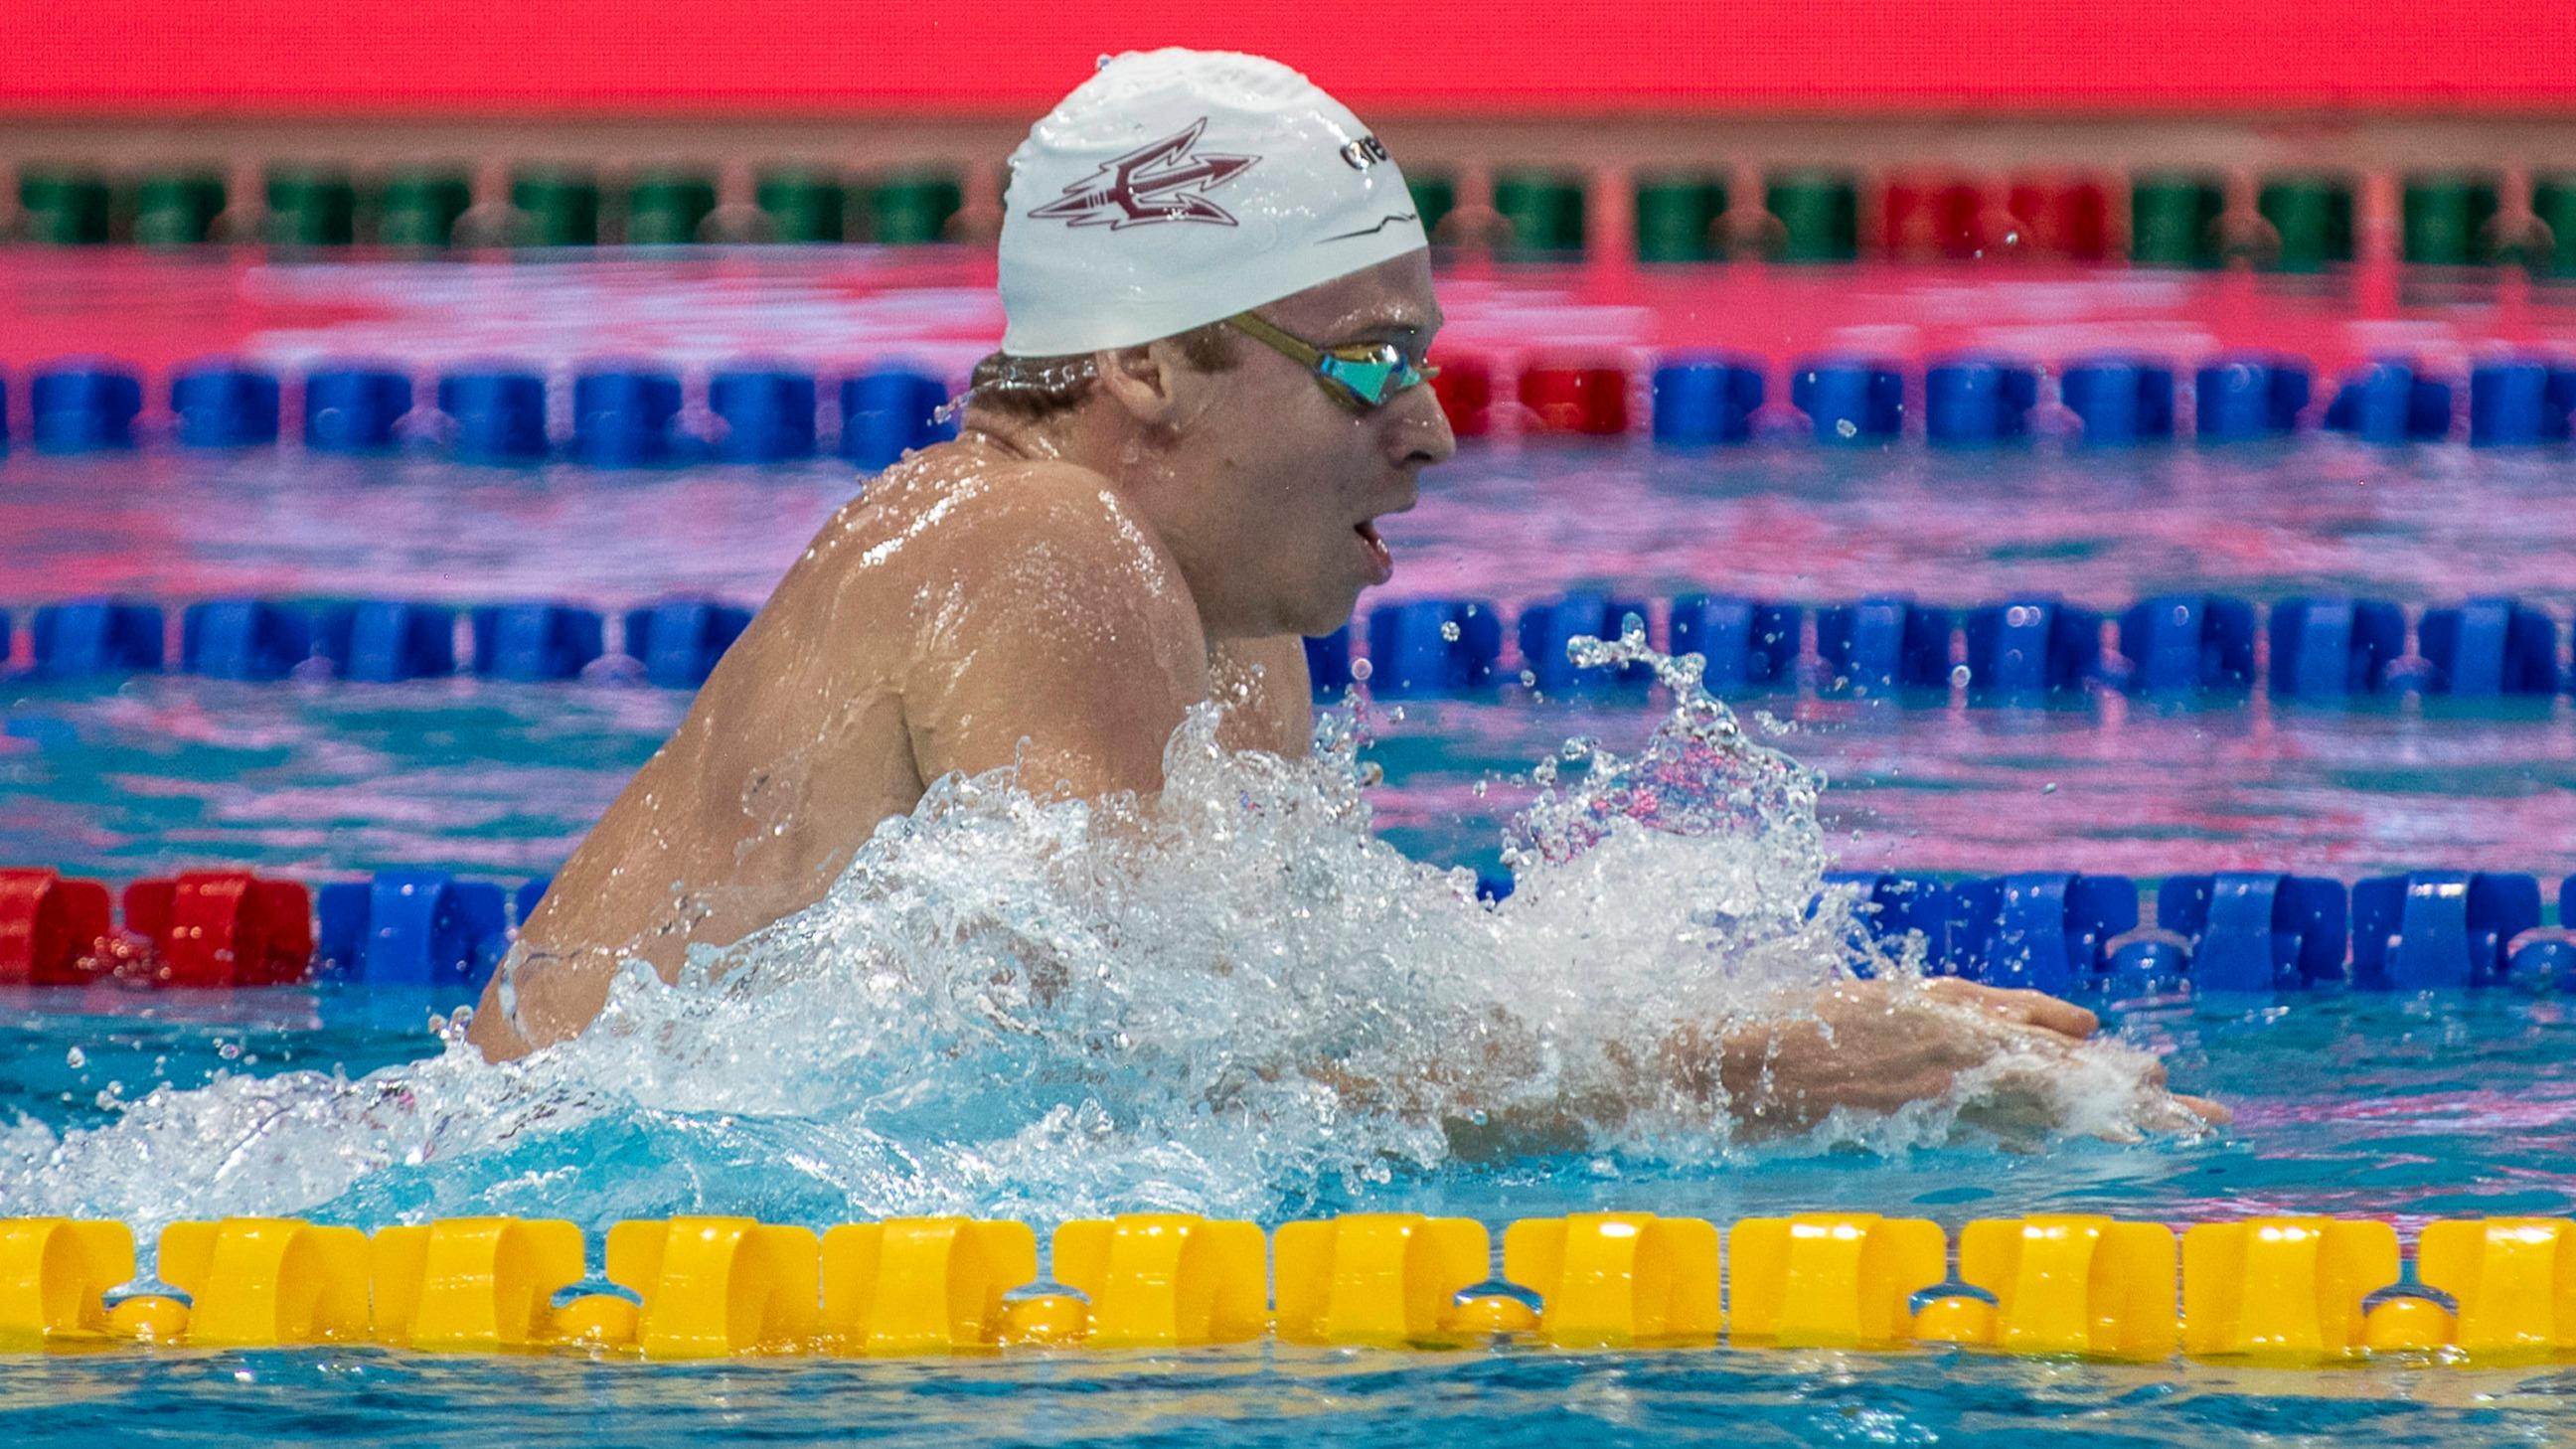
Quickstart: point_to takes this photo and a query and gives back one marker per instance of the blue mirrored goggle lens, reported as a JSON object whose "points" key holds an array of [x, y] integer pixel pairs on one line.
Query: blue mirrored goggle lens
{"points": [[1372, 375]]}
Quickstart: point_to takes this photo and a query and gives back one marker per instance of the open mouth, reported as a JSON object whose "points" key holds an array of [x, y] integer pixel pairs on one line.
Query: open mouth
{"points": [[1380, 557]]}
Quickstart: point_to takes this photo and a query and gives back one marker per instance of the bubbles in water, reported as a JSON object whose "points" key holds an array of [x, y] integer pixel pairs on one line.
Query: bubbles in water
{"points": [[76, 1059], [1237, 1001]]}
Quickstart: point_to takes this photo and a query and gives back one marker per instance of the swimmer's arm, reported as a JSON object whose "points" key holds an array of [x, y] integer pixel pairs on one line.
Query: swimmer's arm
{"points": [[1866, 1046], [1878, 1046], [558, 969], [560, 976]]}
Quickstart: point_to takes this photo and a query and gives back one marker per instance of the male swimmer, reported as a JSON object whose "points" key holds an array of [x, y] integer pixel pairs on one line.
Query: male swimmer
{"points": [[1210, 391]]}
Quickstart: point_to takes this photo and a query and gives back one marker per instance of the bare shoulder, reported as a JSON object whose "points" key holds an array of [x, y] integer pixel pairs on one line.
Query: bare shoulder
{"points": [[956, 535], [965, 507], [1050, 628]]}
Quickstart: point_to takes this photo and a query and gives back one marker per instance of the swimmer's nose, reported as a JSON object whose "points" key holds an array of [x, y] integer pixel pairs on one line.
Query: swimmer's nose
{"points": [[1421, 433]]}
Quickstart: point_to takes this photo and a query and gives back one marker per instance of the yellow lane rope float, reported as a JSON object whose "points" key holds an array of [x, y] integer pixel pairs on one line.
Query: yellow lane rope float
{"points": [[2282, 1290]]}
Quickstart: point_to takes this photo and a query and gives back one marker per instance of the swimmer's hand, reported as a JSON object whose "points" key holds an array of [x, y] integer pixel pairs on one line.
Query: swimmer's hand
{"points": [[1878, 1046]]}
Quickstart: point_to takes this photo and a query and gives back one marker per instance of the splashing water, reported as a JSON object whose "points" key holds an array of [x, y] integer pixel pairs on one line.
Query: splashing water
{"points": [[1238, 1001]]}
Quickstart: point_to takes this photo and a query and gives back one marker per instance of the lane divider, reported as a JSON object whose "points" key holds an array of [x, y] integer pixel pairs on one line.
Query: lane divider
{"points": [[625, 415], [232, 928], [311, 211], [2030, 649], [2232, 931], [2023, 650], [2066, 933], [674, 642], [2275, 1291], [621, 415], [2177, 217]]}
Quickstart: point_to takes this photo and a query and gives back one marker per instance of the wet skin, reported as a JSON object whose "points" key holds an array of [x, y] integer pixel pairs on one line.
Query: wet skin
{"points": [[1055, 595]]}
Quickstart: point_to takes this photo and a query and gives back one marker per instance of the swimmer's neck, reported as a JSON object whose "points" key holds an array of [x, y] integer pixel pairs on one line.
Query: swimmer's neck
{"points": [[1081, 436]]}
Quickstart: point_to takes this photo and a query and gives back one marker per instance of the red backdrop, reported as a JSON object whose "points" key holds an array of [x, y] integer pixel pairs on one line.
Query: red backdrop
{"points": [[749, 56]]}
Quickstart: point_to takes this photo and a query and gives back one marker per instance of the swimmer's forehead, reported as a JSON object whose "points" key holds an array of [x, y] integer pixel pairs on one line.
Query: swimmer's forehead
{"points": [[1389, 300]]}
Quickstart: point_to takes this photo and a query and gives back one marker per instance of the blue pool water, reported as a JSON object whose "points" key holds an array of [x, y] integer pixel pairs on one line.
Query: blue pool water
{"points": [[2347, 1102], [503, 778]]}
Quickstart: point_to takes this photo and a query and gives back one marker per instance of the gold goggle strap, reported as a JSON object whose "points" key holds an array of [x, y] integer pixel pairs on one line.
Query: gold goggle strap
{"points": [[1259, 329]]}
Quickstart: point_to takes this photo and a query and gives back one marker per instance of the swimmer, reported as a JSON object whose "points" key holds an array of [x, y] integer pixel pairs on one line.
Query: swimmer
{"points": [[1209, 394]]}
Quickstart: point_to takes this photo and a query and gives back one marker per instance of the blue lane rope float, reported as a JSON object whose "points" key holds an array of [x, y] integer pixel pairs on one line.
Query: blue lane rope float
{"points": [[224, 405], [1848, 399], [2027, 650], [764, 414], [2389, 402], [2067, 933], [495, 416], [83, 407], [622, 415], [2120, 399], [625, 417], [2275, 1292], [1706, 399], [2234, 931], [1977, 401], [2242, 398], [630, 414], [354, 408]]}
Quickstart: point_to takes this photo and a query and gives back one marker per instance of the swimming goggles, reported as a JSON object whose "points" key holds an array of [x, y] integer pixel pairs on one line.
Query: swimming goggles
{"points": [[1362, 375]]}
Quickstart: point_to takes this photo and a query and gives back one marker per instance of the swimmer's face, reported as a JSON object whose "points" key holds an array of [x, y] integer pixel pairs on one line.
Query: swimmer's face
{"points": [[1280, 485]]}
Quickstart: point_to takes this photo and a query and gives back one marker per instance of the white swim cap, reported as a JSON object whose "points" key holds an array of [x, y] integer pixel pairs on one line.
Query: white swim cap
{"points": [[1178, 187]]}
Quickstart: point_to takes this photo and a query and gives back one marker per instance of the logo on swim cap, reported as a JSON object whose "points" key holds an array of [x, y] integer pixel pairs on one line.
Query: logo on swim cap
{"points": [[1294, 191], [1163, 181]]}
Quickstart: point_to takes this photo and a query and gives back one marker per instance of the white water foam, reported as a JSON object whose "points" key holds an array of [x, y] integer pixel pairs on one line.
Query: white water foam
{"points": [[1238, 1001]]}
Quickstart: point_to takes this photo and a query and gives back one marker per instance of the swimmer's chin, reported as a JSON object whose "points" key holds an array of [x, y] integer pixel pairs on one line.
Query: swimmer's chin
{"points": [[1323, 618]]}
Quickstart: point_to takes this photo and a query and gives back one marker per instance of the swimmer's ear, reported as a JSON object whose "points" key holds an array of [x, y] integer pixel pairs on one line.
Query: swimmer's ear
{"points": [[1152, 382]]}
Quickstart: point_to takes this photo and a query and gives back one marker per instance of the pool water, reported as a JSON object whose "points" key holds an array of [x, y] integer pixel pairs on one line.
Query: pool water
{"points": [[2350, 1103], [1271, 1397], [2346, 1104], [503, 778]]}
